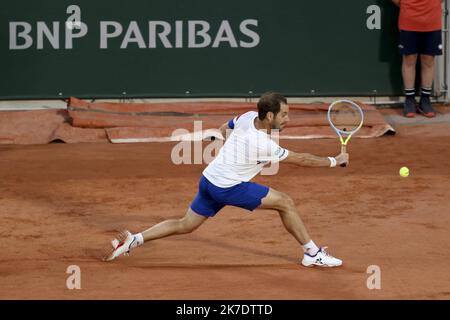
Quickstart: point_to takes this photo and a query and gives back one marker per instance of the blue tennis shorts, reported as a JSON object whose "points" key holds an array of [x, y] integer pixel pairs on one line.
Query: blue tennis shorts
{"points": [[210, 198], [412, 42]]}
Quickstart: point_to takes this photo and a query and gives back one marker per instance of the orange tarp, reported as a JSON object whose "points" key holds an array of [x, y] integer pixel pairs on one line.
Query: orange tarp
{"points": [[145, 122], [42, 127]]}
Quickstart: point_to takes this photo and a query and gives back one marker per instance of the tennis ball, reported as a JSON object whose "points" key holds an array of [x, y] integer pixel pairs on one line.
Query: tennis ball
{"points": [[404, 172]]}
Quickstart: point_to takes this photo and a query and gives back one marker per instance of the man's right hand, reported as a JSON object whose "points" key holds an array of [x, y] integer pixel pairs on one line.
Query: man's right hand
{"points": [[342, 159]]}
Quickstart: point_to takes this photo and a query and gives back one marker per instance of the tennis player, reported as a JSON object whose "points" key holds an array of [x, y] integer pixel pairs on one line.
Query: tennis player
{"points": [[226, 182]]}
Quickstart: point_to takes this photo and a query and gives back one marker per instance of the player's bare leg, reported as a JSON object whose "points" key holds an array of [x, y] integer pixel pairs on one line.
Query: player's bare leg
{"points": [[187, 224], [285, 206], [288, 213], [126, 241]]}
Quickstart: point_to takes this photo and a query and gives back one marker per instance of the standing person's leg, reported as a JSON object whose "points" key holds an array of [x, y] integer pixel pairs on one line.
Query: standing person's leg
{"points": [[408, 50], [409, 72], [409, 78], [290, 217], [430, 46], [427, 70], [427, 75]]}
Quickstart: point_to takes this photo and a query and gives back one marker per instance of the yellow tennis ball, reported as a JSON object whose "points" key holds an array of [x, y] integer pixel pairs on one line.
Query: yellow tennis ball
{"points": [[404, 172]]}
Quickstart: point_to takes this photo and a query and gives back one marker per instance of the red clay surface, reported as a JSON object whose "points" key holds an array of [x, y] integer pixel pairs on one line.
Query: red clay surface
{"points": [[61, 203]]}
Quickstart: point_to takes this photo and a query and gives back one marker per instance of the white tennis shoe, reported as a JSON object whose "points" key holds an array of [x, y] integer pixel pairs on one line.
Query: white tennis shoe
{"points": [[321, 259], [122, 245]]}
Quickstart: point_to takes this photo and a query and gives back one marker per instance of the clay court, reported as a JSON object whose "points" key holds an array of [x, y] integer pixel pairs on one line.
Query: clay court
{"points": [[61, 204]]}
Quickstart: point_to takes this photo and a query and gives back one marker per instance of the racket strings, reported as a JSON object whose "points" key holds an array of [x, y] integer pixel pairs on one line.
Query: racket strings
{"points": [[345, 117]]}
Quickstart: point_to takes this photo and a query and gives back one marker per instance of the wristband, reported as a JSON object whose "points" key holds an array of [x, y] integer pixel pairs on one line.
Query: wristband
{"points": [[333, 162]]}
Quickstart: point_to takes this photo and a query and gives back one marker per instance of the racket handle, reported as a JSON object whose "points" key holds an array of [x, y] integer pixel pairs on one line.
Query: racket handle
{"points": [[343, 150]]}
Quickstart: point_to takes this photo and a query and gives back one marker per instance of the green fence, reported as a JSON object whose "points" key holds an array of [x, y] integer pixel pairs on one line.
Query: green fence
{"points": [[197, 48]]}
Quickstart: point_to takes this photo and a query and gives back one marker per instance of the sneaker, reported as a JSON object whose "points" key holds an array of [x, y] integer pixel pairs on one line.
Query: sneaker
{"points": [[426, 108], [409, 108], [321, 259], [122, 245]]}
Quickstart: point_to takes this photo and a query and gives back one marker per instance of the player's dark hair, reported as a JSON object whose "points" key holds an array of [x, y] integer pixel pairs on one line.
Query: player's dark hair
{"points": [[270, 102]]}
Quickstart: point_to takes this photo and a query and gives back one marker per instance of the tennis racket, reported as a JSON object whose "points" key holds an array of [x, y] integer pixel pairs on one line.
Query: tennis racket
{"points": [[346, 118]]}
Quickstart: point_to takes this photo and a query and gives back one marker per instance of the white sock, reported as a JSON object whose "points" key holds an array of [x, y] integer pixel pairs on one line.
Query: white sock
{"points": [[139, 240], [311, 248]]}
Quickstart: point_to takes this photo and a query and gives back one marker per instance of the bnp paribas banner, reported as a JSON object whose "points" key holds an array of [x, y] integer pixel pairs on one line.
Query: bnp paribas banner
{"points": [[197, 48]]}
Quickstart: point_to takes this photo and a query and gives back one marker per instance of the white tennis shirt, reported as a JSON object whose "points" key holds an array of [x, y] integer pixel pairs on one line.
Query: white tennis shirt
{"points": [[244, 153]]}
